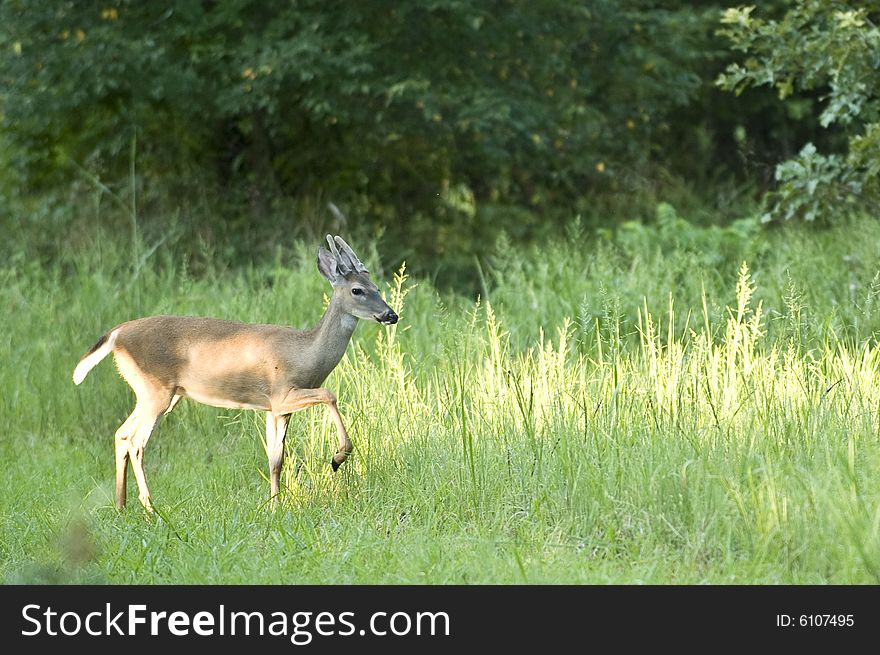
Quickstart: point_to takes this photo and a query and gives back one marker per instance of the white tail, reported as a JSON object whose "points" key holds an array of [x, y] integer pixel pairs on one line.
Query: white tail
{"points": [[100, 350]]}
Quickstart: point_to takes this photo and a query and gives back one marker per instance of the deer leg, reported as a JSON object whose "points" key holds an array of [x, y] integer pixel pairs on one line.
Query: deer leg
{"points": [[276, 429], [270, 451], [148, 417], [122, 436], [298, 399], [345, 445], [136, 447]]}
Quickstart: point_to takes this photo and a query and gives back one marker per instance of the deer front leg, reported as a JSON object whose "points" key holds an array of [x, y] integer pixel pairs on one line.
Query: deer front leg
{"points": [[276, 429], [298, 399]]}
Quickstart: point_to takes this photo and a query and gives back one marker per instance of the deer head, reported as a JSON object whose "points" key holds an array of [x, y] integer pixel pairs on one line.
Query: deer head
{"points": [[352, 287]]}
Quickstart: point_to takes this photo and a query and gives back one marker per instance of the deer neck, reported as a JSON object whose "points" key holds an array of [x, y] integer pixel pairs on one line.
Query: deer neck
{"points": [[331, 335]]}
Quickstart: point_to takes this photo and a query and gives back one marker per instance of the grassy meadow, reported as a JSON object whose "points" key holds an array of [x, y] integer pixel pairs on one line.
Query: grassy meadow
{"points": [[666, 404]]}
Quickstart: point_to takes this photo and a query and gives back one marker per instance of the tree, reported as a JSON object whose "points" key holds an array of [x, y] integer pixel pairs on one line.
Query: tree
{"points": [[442, 121], [515, 100], [831, 48]]}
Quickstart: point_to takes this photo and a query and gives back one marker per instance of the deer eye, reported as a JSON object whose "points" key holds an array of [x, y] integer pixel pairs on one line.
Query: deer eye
{"points": [[357, 292]]}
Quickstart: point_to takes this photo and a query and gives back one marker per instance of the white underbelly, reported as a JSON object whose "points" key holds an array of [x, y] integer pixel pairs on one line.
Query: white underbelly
{"points": [[219, 402]]}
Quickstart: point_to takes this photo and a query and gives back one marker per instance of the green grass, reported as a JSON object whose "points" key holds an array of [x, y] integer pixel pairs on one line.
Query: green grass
{"points": [[636, 409]]}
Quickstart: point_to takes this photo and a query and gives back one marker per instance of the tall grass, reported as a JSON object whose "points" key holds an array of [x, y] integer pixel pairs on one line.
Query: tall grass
{"points": [[640, 409]]}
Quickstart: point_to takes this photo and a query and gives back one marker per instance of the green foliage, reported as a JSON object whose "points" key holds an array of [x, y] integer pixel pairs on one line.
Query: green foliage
{"points": [[831, 48], [395, 111]]}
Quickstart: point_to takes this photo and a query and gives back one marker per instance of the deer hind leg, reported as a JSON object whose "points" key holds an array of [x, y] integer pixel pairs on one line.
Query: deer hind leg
{"points": [[153, 399], [276, 429], [123, 434], [298, 399], [148, 413]]}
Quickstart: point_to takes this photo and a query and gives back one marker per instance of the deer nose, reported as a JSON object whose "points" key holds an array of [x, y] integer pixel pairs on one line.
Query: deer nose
{"points": [[388, 318]]}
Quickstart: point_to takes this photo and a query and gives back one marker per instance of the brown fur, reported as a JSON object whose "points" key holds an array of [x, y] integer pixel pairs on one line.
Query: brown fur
{"points": [[231, 364]]}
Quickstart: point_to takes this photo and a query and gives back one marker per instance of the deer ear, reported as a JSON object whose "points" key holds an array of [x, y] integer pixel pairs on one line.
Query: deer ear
{"points": [[327, 266]]}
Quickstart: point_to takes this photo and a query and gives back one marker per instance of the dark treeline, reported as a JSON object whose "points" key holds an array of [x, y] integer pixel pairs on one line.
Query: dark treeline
{"points": [[437, 124]]}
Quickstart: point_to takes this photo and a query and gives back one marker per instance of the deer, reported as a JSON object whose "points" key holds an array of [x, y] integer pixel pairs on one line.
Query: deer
{"points": [[223, 363]]}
